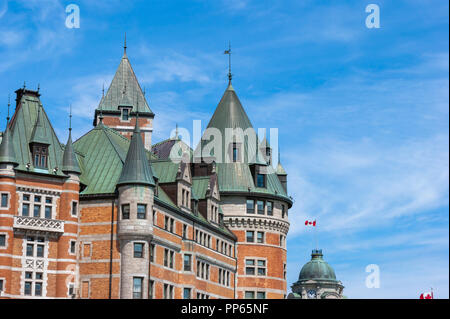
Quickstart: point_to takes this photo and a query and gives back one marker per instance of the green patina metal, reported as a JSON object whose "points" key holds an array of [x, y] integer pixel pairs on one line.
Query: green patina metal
{"points": [[7, 153], [70, 162], [317, 269]]}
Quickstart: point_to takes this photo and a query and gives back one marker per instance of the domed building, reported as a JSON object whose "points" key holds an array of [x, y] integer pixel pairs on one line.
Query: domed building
{"points": [[317, 280]]}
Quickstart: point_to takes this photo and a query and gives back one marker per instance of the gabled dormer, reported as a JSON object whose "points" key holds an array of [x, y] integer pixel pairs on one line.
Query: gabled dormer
{"points": [[39, 143], [184, 186]]}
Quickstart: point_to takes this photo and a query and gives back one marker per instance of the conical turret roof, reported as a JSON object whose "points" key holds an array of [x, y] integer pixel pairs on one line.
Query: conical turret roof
{"points": [[136, 169], [7, 153], [39, 134], [70, 163]]}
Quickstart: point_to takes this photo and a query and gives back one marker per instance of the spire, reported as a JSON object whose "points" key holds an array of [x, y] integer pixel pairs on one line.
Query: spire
{"points": [[125, 45], [7, 153], [70, 163], [280, 170], [230, 76], [39, 134], [9, 104], [136, 169]]}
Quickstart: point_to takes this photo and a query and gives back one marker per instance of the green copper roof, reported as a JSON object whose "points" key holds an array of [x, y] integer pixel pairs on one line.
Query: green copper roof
{"points": [[200, 186], [166, 170], [24, 130], [124, 81], [280, 170], [70, 163], [7, 153], [136, 169], [39, 134], [317, 269]]}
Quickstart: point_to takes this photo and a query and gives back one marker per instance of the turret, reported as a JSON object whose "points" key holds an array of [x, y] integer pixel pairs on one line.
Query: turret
{"points": [[281, 173], [136, 194]]}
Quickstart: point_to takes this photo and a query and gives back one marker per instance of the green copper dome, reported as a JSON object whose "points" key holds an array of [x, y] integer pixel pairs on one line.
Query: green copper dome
{"points": [[317, 269]]}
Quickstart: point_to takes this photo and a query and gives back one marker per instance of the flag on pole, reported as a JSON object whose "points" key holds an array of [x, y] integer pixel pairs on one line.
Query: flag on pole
{"points": [[426, 295], [227, 52], [308, 222]]}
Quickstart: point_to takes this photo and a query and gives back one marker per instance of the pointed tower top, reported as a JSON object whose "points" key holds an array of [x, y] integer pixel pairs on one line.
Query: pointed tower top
{"points": [[136, 169], [9, 104], [39, 134], [7, 153], [230, 76], [125, 45], [70, 163], [280, 169]]}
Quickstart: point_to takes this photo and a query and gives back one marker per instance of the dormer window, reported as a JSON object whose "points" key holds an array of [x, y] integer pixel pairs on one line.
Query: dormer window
{"points": [[235, 152], [125, 114], [40, 155], [260, 180]]}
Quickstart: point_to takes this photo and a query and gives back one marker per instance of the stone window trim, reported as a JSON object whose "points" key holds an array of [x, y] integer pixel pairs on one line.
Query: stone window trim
{"points": [[88, 281], [122, 206], [84, 245], [122, 114], [256, 267], [8, 201], [34, 281], [3, 285], [143, 249], [191, 268], [71, 286], [6, 240]]}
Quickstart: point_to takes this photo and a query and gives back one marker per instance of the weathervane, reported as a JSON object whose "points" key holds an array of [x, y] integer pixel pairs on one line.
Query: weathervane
{"points": [[229, 61]]}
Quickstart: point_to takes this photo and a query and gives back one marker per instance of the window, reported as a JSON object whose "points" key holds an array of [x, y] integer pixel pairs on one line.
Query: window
{"points": [[152, 252], [37, 211], [40, 251], [269, 208], [151, 284], [154, 217], [74, 208], [25, 209], [171, 254], [250, 267], [283, 211], [1, 285], [261, 267], [48, 200], [48, 212], [260, 204], [187, 262], [40, 156], [250, 206], [250, 236], [184, 234], [260, 180], [27, 290], [187, 293], [249, 295], [260, 295], [282, 240], [2, 240], [260, 237], [168, 258], [5, 200], [126, 211], [141, 211], [38, 289], [137, 288], [284, 271], [73, 245], [30, 250], [168, 291], [138, 250], [125, 114]]}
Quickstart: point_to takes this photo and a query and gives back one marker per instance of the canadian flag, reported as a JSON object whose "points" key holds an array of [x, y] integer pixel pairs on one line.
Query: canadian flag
{"points": [[308, 222], [426, 295]]}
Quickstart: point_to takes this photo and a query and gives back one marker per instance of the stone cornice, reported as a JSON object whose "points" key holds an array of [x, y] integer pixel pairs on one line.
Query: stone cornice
{"points": [[256, 222]]}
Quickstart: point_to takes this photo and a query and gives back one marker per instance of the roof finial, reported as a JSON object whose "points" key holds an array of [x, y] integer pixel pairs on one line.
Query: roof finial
{"points": [[24, 85], [103, 90], [125, 44], [39, 87], [9, 104], [176, 131], [229, 61], [70, 118], [279, 155]]}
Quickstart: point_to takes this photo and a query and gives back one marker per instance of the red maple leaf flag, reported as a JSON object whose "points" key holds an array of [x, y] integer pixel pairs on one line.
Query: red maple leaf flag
{"points": [[308, 222], [426, 295]]}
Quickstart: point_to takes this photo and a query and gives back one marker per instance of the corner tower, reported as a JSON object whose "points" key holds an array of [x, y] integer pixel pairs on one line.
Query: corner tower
{"points": [[135, 231], [254, 202]]}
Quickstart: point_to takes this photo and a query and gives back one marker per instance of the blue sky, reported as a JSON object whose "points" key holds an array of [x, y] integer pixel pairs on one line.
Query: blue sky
{"points": [[362, 113]]}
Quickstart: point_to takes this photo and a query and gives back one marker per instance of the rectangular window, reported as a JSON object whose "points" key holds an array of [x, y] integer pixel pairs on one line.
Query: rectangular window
{"points": [[261, 267], [25, 209], [260, 237], [137, 288], [150, 289], [171, 254], [152, 252], [48, 200], [283, 211], [141, 211], [166, 257], [171, 226], [138, 250], [39, 276], [37, 199], [187, 293], [250, 236], [250, 206], [187, 263], [166, 223], [125, 114], [260, 204], [74, 208], [2, 240], [260, 180], [269, 208], [260, 295], [1, 285], [250, 267], [37, 211], [5, 200], [27, 290], [48, 212], [30, 250], [28, 275], [40, 251], [184, 234], [73, 246], [26, 198], [126, 211], [249, 295], [38, 289]]}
